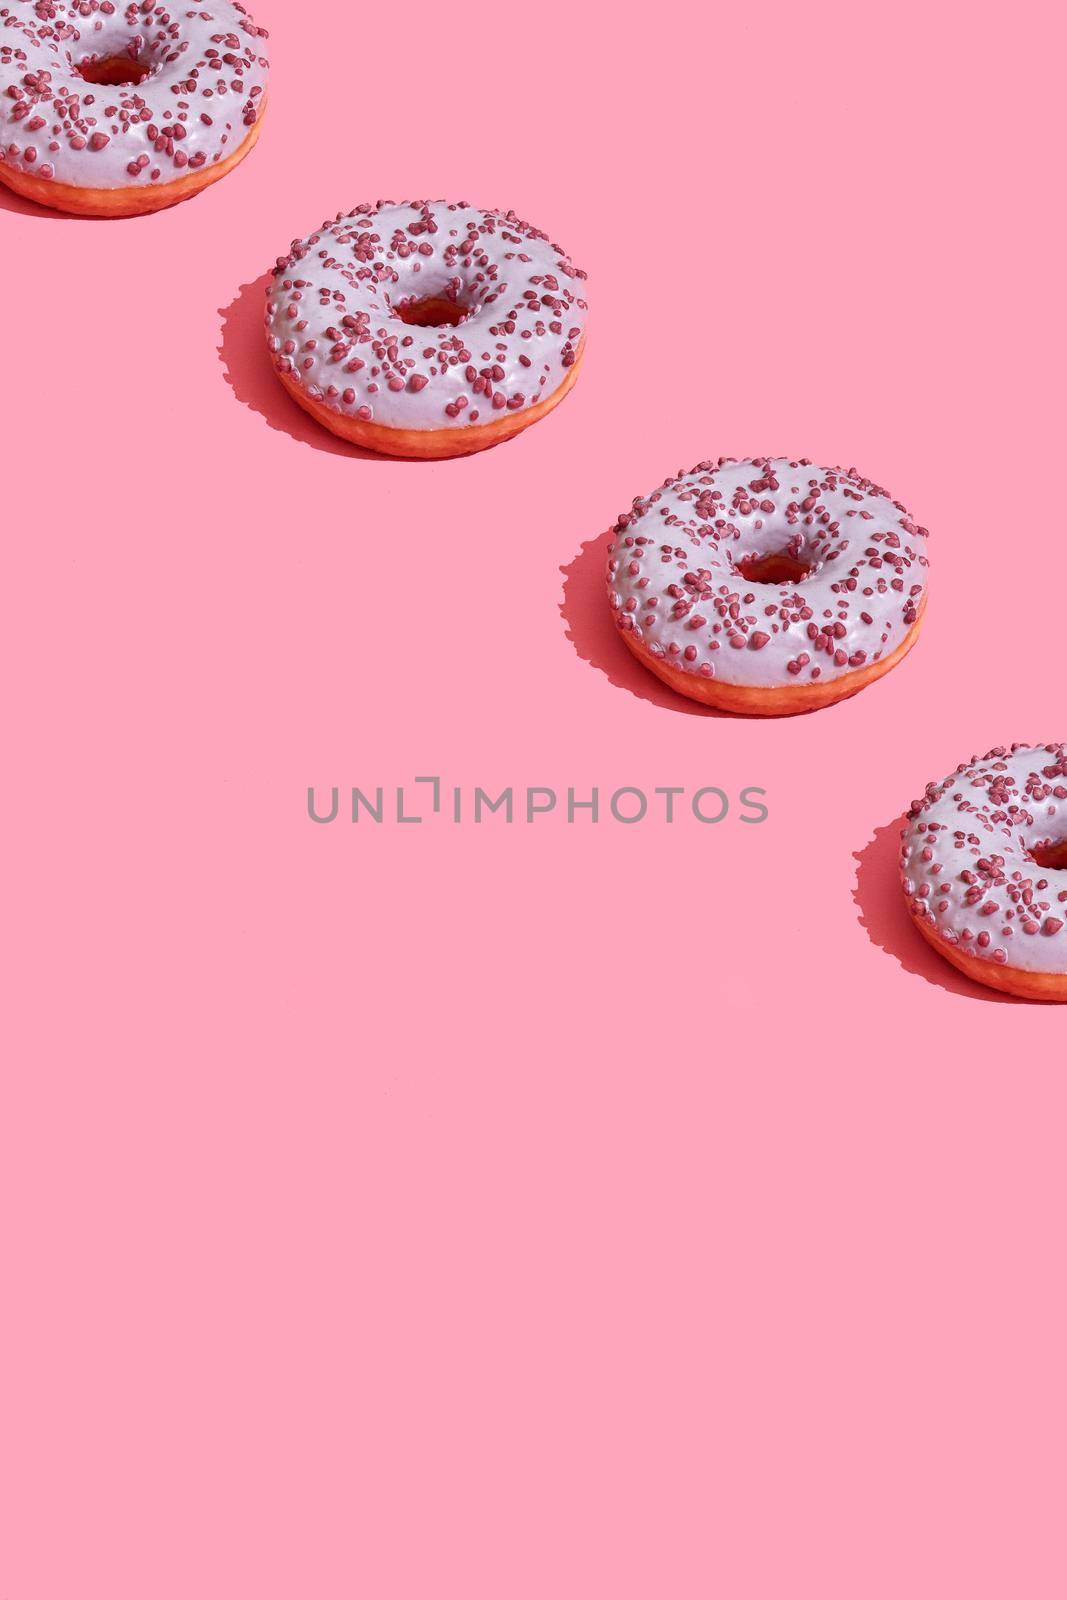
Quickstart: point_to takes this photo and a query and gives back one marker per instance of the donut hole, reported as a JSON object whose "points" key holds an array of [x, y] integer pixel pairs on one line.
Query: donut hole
{"points": [[118, 71], [1052, 855], [780, 566], [435, 311]]}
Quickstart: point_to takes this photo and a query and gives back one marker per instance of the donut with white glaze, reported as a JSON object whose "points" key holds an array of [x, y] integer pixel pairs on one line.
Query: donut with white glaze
{"points": [[111, 110], [983, 861], [426, 329], [768, 586]]}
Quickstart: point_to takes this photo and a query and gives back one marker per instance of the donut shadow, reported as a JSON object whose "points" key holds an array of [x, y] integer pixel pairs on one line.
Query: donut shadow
{"points": [[595, 638], [884, 918], [22, 207], [243, 353]]}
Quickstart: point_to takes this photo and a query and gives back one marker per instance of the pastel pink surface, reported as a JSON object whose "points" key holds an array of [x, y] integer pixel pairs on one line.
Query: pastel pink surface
{"points": [[510, 1212]]}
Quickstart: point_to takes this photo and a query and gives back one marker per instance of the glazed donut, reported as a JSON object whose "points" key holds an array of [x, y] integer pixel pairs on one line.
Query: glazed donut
{"points": [[426, 329], [768, 586], [111, 110], [983, 860]]}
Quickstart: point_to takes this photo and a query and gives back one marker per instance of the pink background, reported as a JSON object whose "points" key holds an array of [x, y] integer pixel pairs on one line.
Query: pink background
{"points": [[545, 1211]]}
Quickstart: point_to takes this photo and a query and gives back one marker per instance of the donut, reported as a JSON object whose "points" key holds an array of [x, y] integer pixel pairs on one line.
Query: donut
{"points": [[768, 586], [112, 110], [983, 860], [426, 329]]}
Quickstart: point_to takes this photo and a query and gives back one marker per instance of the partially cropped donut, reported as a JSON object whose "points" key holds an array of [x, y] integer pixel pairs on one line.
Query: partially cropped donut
{"points": [[426, 329], [984, 865], [111, 110], [768, 586]]}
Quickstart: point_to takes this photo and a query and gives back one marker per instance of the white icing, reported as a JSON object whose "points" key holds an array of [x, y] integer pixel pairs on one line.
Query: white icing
{"points": [[204, 92], [332, 322], [966, 863], [674, 586]]}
